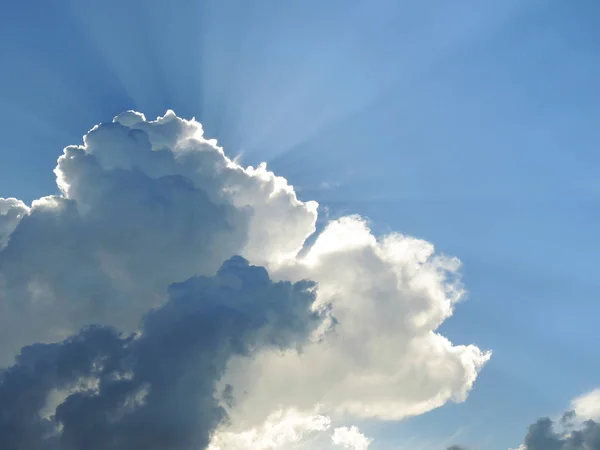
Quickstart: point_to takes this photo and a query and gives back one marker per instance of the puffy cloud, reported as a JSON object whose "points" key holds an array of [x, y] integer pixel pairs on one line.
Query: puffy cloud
{"points": [[281, 429], [11, 212], [142, 206], [291, 429], [544, 435], [587, 406], [154, 389], [145, 204], [350, 438], [577, 429], [384, 359]]}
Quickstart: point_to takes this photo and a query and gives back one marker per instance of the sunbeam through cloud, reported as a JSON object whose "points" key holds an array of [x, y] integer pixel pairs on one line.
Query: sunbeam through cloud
{"points": [[162, 300]]}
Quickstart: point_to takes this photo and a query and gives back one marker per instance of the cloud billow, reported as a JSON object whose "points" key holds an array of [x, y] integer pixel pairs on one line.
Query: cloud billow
{"points": [[577, 429], [155, 389], [146, 205], [543, 435]]}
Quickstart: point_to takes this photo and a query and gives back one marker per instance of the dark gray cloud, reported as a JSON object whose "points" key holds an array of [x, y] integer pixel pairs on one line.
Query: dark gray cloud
{"points": [[456, 447], [156, 389], [545, 434]]}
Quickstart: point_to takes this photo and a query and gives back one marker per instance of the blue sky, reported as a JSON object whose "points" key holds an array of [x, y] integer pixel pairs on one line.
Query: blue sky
{"points": [[474, 125]]}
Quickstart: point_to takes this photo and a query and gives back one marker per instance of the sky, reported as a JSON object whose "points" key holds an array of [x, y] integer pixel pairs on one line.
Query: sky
{"points": [[472, 127]]}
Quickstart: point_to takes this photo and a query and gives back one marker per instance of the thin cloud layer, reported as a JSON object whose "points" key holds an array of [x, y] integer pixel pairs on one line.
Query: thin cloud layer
{"points": [[145, 205]]}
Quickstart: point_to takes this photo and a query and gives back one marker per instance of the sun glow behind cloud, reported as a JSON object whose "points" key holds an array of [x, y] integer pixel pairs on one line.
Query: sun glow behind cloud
{"points": [[271, 96], [145, 205]]}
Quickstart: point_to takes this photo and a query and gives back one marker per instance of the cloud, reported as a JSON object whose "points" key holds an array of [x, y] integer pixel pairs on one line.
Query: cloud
{"points": [[456, 447], [544, 435], [281, 429], [155, 389], [291, 429], [384, 360], [145, 205], [577, 429], [142, 206], [350, 438], [11, 212], [587, 406]]}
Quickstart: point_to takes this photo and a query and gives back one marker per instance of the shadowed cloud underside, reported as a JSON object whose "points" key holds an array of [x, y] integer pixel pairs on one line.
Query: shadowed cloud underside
{"points": [[145, 206]]}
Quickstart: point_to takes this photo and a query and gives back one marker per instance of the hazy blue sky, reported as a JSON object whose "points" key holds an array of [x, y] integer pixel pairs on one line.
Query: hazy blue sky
{"points": [[472, 124]]}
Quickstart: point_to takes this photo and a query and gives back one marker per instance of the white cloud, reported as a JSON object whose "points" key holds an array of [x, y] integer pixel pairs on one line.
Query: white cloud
{"points": [[281, 429], [587, 406], [350, 438], [384, 359], [287, 429], [11, 212], [144, 204]]}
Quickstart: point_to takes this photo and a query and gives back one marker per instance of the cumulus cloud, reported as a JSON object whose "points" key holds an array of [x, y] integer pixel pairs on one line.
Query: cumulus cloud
{"points": [[142, 206], [546, 435], [11, 212], [281, 429], [577, 429], [587, 406], [146, 205], [350, 438], [384, 359], [155, 389]]}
